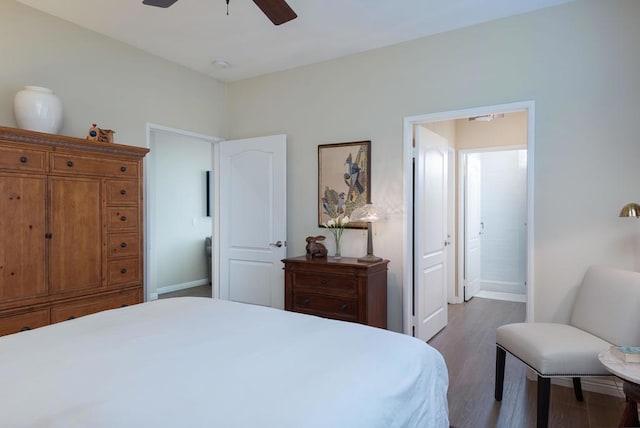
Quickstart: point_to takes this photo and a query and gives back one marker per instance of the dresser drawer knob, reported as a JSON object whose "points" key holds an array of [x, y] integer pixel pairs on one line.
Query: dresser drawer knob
{"points": [[123, 270], [324, 282], [343, 307], [123, 192], [23, 159], [25, 328], [123, 245], [123, 218], [69, 164], [123, 168], [305, 302]]}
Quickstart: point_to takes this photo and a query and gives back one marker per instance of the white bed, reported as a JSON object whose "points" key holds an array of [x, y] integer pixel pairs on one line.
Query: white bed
{"points": [[197, 362]]}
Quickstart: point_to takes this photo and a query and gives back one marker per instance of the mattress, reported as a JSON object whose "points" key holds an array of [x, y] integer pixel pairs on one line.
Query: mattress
{"points": [[199, 362]]}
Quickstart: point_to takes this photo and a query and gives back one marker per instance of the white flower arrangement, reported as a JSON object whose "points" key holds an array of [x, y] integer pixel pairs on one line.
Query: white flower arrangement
{"points": [[336, 227]]}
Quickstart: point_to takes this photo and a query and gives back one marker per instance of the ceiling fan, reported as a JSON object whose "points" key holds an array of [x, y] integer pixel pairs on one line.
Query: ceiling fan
{"points": [[278, 11]]}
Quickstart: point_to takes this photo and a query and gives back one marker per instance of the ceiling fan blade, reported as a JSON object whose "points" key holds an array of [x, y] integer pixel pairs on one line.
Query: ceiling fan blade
{"points": [[159, 3], [278, 11]]}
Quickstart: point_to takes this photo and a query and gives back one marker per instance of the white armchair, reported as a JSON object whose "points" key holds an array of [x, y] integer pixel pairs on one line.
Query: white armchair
{"points": [[606, 312]]}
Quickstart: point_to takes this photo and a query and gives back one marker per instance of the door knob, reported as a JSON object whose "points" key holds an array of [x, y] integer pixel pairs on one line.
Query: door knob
{"points": [[276, 244]]}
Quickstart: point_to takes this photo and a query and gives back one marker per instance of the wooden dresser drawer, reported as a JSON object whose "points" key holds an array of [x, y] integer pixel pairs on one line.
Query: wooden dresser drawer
{"points": [[22, 159], [326, 282], [25, 321], [345, 289], [85, 165], [122, 218], [120, 192], [333, 307], [71, 310], [123, 245], [123, 271]]}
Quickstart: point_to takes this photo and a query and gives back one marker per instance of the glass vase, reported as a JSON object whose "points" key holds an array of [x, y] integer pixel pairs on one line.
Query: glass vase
{"points": [[337, 255]]}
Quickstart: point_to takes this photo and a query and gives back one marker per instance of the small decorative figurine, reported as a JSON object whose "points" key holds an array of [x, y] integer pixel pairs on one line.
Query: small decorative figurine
{"points": [[314, 248], [100, 135]]}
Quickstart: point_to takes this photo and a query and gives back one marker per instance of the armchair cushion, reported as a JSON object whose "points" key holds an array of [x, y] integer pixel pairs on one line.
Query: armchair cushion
{"points": [[554, 349]]}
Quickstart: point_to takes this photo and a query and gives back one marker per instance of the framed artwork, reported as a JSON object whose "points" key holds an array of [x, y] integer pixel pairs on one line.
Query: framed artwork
{"points": [[344, 170]]}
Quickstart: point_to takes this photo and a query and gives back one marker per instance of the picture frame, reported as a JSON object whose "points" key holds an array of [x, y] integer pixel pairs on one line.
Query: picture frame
{"points": [[344, 172]]}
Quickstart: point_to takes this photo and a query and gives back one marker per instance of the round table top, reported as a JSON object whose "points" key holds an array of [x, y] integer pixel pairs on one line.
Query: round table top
{"points": [[627, 371]]}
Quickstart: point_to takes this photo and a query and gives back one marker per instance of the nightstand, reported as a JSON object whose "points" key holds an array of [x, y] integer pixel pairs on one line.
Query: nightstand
{"points": [[342, 289]]}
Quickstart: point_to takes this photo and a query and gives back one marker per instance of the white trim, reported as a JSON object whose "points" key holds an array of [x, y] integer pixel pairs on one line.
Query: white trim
{"points": [[408, 123], [499, 295], [183, 286], [608, 385], [151, 259]]}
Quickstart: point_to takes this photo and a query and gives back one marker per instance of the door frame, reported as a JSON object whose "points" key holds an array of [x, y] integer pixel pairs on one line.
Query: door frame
{"points": [[151, 259], [408, 233]]}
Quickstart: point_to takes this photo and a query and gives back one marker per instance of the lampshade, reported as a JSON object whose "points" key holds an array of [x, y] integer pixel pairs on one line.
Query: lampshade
{"points": [[630, 210], [368, 213]]}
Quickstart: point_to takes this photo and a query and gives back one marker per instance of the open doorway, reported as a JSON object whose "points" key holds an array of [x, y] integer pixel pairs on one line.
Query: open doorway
{"points": [[492, 219], [177, 222], [414, 193]]}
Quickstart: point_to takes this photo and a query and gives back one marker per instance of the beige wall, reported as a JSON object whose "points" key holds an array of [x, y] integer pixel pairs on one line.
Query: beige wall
{"points": [[101, 80], [578, 62], [510, 130]]}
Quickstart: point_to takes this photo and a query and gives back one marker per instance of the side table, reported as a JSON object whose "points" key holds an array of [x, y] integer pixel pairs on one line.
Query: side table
{"points": [[630, 375]]}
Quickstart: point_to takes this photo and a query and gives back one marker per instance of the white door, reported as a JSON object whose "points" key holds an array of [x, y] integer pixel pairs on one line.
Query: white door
{"points": [[473, 227], [252, 220], [430, 218]]}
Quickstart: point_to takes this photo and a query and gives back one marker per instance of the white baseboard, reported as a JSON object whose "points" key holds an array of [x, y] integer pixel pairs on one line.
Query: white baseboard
{"points": [[608, 385], [153, 296], [183, 286], [497, 295]]}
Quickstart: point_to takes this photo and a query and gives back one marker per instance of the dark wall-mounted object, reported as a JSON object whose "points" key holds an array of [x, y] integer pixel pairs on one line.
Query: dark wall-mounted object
{"points": [[208, 190]]}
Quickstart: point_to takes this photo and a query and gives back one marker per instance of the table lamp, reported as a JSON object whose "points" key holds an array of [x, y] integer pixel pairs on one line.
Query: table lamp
{"points": [[369, 213]]}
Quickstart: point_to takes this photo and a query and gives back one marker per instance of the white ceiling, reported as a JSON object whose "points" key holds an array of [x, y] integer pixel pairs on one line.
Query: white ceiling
{"points": [[195, 33]]}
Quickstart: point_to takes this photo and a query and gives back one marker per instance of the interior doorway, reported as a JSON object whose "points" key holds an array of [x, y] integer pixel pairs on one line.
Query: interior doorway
{"points": [[177, 223], [452, 234], [493, 223]]}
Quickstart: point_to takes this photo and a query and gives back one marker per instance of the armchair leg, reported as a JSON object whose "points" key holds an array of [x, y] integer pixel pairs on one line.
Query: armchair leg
{"points": [[500, 357], [577, 389], [544, 390]]}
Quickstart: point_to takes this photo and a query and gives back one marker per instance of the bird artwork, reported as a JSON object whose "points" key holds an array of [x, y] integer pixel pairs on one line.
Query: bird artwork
{"points": [[341, 199]]}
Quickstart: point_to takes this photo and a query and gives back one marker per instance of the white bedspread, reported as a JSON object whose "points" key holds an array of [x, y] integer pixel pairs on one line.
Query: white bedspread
{"points": [[197, 362]]}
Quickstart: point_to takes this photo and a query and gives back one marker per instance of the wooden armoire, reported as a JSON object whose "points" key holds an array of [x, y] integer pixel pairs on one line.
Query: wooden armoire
{"points": [[71, 228]]}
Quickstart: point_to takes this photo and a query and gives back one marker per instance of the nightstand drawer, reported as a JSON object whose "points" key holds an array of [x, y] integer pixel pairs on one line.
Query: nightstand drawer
{"points": [[333, 307], [327, 282]]}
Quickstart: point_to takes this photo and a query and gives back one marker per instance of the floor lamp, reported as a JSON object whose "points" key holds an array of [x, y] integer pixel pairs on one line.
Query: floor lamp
{"points": [[368, 213]]}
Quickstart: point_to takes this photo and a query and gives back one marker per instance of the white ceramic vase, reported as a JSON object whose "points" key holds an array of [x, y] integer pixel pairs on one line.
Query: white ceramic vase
{"points": [[38, 109]]}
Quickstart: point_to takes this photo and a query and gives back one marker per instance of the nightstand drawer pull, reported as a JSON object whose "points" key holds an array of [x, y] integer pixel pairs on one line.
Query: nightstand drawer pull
{"points": [[23, 159], [123, 245], [123, 168], [324, 282], [123, 218], [123, 271], [123, 192], [69, 164]]}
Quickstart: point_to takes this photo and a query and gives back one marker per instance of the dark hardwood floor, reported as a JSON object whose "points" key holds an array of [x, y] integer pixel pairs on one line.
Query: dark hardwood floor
{"points": [[468, 346], [199, 291]]}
